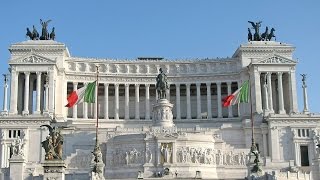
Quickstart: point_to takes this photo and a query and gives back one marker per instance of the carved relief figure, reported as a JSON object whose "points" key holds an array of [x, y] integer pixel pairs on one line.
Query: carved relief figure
{"points": [[166, 153], [148, 156], [17, 147]]}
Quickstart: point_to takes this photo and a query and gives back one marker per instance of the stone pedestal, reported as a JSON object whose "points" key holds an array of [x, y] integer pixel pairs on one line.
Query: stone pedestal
{"points": [[162, 113], [17, 165], [97, 173], [54, 169], [316, 168]]}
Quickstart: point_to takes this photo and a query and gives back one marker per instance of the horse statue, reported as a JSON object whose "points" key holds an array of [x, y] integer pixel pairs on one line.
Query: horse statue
{"points": [[52, 34], [249, 35], [35, 33], [265, 34], [29, 34], [162, 85], [44, 34], [271, 35]]}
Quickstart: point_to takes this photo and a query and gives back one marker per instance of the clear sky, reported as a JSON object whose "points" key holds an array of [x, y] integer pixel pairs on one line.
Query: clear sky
{"points": [[168, 28]]}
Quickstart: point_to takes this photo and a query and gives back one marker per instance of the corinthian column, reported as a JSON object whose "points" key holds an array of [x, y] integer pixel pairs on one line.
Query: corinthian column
{"points": [[26, 93], [209, 108], [280, 94], [219, 100], [178, 107], [230, 107], [198, 101], [270, 92], [116, 103], [14, 91], [126, 102], [85, 107], [188, 102], [38, 111], [137, 114], [147, 102], [106, 100], [75, 107]]}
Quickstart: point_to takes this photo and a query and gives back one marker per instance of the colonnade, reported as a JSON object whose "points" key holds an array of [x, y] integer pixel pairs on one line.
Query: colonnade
{"points": [[144, 89]]}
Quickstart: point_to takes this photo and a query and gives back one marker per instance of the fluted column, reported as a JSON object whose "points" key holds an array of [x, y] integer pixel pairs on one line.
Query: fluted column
{"points": [[219, 100], [269, 83], [168, 93], [147, 102], [137, 101], [14, 91], [305, 99], [26, 93], [38, 110], [126, 101], [293, 90], [51, 91], [198, 101], [265, 143], [116, 101], [85, 107], [178, 107], [46, 88], [230, 114], [106, 101], [5, 95], [280, 94], [188, 102], [265, 93], [209, 108], [75, 107]]}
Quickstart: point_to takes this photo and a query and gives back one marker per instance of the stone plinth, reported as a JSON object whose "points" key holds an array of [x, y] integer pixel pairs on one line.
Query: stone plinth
{"points": [[316, 168], [54, 169], [17, 165], [162, 113]]}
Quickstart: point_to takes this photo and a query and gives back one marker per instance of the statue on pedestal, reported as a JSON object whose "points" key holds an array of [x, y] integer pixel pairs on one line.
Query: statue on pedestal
{"points": [[53, 143], [166, 153], [162, 84], [17, 147]]}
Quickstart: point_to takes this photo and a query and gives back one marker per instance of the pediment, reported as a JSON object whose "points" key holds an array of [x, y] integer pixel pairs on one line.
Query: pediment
{"points": [[276, 59], [32, 59]]}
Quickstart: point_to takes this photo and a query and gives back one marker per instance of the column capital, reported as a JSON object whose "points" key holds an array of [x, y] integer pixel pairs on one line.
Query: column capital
{"points": [[177, 84], [218, 83], [188, 85], [147, 85], [106, 84], [38, 73], [126, 84], [137, 85], [268, 73], [229, 83], [26, 73], [116, 85], [75, 83], [279, 73], [208, 83], [198, 84]]}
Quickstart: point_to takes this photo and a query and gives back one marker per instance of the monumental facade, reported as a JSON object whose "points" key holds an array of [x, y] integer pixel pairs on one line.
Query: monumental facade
{"points": [[187, 135]]}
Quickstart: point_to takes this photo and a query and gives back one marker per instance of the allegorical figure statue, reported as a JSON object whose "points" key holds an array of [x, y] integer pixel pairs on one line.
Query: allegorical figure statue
{"points": [[304, 79], [53, 143], [166, 153], [256, 26], [44, 34], [17, 147], [162, 84]]}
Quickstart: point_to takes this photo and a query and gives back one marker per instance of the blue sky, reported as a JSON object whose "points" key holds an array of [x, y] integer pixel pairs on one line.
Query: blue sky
{"points": [[168, 28]]}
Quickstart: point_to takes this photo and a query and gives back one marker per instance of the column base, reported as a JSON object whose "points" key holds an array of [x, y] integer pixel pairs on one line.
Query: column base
{"points": [[13, 112], [4, 113], [54, 169], [282, 112], [306, 112], [37, 112], [25, 113]]}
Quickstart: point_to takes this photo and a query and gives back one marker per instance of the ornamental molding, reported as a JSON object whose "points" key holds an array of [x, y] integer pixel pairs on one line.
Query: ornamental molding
{"points": [[32, 59], [276, 59]]}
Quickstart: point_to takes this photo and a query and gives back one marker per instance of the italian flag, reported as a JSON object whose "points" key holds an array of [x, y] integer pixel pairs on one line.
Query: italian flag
{"points": [[86, 94], [241, 95]]}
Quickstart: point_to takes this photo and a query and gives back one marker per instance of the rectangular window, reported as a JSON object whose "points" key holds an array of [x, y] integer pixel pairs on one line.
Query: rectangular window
{"points": [[304, 156]]}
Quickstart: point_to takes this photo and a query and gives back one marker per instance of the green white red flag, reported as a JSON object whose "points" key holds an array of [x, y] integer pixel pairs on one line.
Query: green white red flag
{"points": [[86, 94], [241, 95]]}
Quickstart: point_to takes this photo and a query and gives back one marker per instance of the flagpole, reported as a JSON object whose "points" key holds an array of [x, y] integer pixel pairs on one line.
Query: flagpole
{"points": [[253, 146]]}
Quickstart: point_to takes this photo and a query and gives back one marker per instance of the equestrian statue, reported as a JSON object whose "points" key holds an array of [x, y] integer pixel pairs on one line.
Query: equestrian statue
{"points": [[162, 84]]}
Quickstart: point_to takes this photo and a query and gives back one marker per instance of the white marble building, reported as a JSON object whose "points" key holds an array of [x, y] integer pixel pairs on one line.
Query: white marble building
{"points": [[207, 137]]}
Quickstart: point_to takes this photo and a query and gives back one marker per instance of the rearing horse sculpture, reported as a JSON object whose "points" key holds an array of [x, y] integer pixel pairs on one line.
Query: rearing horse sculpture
{"points": [[162, 85]]}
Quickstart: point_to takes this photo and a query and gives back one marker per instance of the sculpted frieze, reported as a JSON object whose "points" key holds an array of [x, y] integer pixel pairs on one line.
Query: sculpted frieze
{"points": [[277, 60], [32, 59]]}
